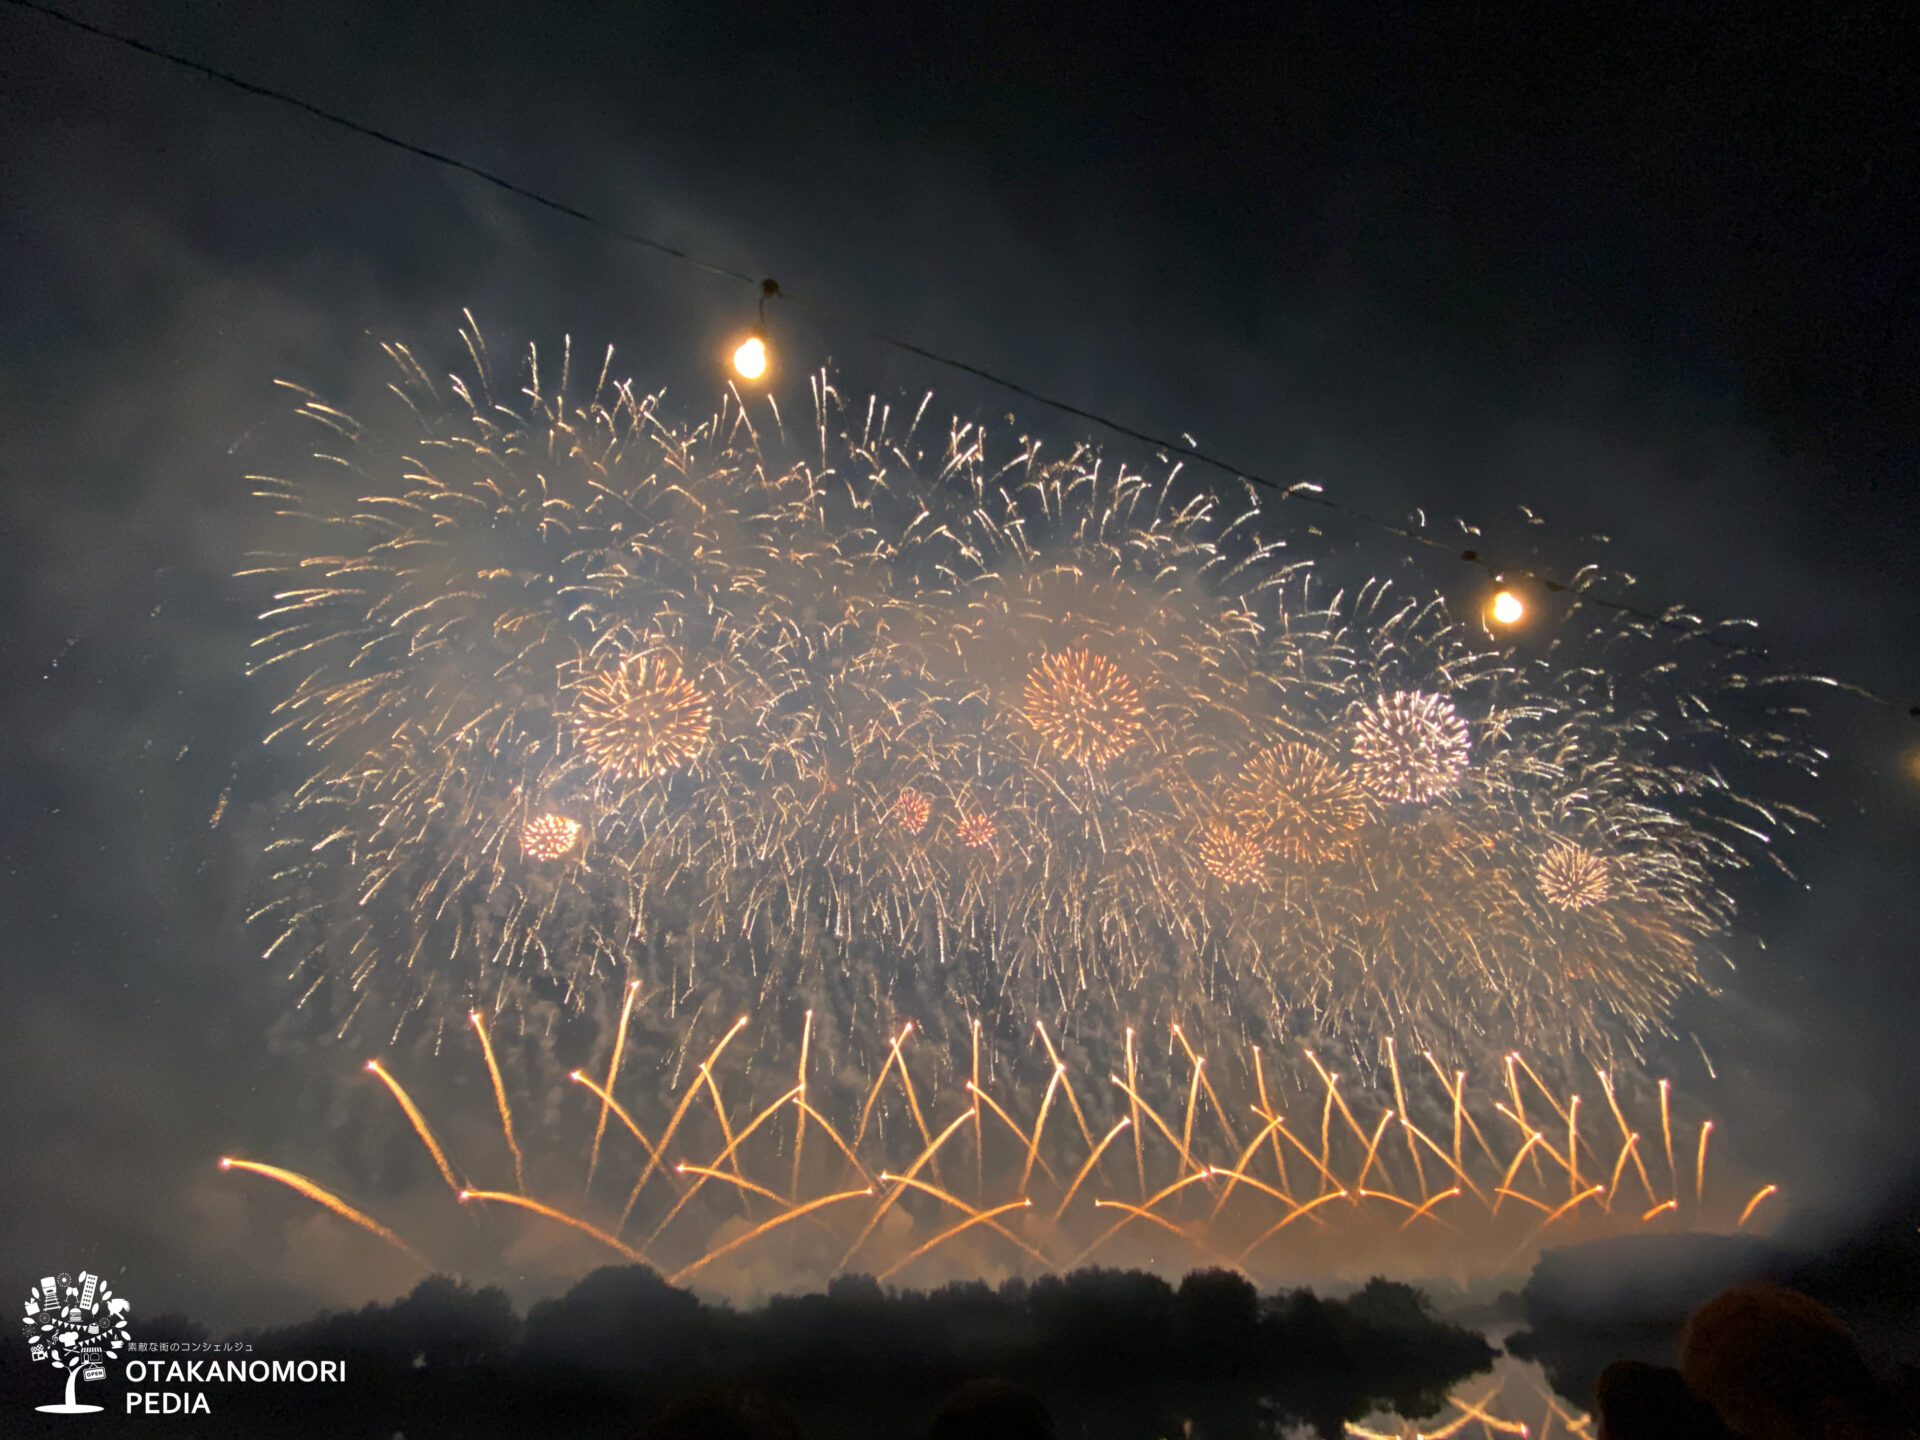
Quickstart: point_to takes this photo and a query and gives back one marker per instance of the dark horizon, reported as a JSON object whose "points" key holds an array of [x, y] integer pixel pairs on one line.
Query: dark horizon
{"points": [[1653, 277], [1126, 1348]]}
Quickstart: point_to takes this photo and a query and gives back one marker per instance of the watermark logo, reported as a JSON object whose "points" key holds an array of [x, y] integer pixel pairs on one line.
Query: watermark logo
{"points": [[77, 1325]]}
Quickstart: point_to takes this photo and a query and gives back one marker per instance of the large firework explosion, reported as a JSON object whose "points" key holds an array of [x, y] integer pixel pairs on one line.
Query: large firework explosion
{"points": [[897, 721]]}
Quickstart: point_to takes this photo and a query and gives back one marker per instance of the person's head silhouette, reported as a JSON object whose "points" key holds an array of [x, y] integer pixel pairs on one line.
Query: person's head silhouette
{"points": [[1637, 1401], [992, 1410], [1776, 1365]]}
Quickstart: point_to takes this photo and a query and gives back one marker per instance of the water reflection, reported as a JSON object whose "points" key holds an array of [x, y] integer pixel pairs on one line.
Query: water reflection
{"points": [[1514, 1399]]}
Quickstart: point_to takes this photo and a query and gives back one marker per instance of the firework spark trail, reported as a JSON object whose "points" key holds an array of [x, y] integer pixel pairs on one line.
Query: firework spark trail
{"points": [[1086, 1166], [727, 1156], [1700, 1164], [1666, 1133], [679, 1114], [613, 1242], [1752, 1205], [985, 1217], [988, 1220], [419, 1123], [1299, 1211], [1360, 1185], [886, 1202], [332, 1202], [613, 1073], [606, 1099], [796, 1213], [882, 717], [800, 1110], [500, 1099]]}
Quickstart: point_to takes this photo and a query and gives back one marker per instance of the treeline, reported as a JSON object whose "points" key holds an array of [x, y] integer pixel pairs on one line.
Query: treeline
{"points": [[1091, 1326], [1125, 1346]]}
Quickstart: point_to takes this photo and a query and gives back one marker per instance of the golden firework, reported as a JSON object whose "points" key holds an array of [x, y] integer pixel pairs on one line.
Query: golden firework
{"points": [[1416, 1165], [1231, 855], [976, 830], [548, 837], [1574, 878], [642, 719], [449, 665], [1084, 705], [911, 809], [1409, 746], [1304, 807]]}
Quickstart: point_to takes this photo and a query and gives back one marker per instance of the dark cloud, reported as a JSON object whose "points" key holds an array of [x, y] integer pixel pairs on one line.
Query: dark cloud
{"points": [[1652, 277]]}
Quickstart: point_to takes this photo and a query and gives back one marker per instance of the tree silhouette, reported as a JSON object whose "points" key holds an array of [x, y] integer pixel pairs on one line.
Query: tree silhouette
{"points": [[1216, 1320], [621, 1318], [1123, 1351], [441, 1322]]}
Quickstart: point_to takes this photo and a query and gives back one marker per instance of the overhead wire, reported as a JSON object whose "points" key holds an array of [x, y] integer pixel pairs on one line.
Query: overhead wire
{"points": [[1303, 492]]}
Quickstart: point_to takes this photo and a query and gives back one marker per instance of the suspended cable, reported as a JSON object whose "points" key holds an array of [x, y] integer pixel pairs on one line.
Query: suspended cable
{"points": [[1304, 493]]}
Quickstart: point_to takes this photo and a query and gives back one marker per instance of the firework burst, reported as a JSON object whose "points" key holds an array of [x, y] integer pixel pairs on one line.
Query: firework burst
{"points": [[863, 789], [1574, 878], [1409, 746], [1084, 707], [1306, 808], [1231, 855], [641, 719], [975, 830], [911, 810], [548, 837]]}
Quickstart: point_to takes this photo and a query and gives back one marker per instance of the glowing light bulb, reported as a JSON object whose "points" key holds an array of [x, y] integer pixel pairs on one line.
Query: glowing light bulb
{"points": [[1507, 609], [750, 360]]}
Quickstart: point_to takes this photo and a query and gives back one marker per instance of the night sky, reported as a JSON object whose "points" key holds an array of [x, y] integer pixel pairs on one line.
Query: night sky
{"points": [[1653, 278]]}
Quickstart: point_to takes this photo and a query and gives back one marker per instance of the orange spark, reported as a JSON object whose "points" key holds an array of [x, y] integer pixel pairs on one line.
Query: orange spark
{"points": [[419, 1124], [613, 1073], [327, 1198], [499, 1197], [500, 1099], [762, 1228], [1754, 1204]]}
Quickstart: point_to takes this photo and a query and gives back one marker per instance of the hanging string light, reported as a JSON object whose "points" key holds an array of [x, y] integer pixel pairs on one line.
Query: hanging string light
{"points": [[751, 357]]}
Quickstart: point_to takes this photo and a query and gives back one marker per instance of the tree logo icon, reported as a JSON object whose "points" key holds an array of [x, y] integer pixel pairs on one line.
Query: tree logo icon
{"points": [[76, 1325]]}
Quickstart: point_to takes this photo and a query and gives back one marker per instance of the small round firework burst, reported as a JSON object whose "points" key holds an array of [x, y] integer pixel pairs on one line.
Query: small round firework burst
{"points": [[642, 718], [976, 830], [1409, 746], [1084, 705], [1305, 807], [548, 837], [1231, 855], [1574, 878], [911, 809]]}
